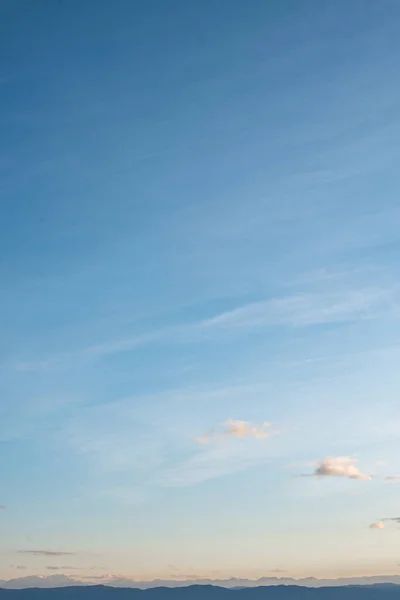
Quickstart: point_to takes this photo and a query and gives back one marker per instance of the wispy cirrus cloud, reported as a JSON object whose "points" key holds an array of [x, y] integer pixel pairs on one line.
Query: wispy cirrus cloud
{"points": [[302, 310], [340, 466], [97, 350], [392, 479], [212, 462], [122, 345], [47, 552], [237, 429], [299, 310]]}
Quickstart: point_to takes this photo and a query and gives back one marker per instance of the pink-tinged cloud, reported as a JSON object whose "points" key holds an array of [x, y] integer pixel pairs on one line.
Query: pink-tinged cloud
{"points": [[237, 429], [378, 525], [243, 429], [340, 466], [204, 440]]}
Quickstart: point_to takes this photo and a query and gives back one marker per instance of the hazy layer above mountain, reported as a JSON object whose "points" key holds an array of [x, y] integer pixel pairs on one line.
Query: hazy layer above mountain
{"points": [[59, 580]]}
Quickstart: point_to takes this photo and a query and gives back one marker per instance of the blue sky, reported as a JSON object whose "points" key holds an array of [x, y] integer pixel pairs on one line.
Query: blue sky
{"points": [[200, 302]]}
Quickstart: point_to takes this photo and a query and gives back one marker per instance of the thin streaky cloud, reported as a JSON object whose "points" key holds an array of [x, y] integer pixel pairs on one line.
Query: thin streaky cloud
{"points": [[213, 462], [122, 345], [298, 310], [307, 309], [62, 567], [392, 479], [278, 571], [47, 553], [89, 352]]}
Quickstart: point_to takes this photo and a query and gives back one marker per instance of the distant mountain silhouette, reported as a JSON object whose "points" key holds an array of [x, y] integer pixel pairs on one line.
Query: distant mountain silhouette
{"points": [[59, 580], [206, 592]]}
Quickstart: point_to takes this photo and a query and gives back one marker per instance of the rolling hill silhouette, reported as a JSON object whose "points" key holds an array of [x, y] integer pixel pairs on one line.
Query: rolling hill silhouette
{"points": [[206, 592]]}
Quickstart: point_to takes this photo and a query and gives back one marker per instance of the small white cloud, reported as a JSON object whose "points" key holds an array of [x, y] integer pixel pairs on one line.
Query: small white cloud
{"points": [[340, 466], [378, 525], [237, 429]]}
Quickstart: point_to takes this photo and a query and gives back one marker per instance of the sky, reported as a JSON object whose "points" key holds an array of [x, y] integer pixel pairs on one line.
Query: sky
{"points": [[199, 306]]}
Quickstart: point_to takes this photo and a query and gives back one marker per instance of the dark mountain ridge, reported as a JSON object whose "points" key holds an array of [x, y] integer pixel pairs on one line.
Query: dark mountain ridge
{"points": [[206, 592]]}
